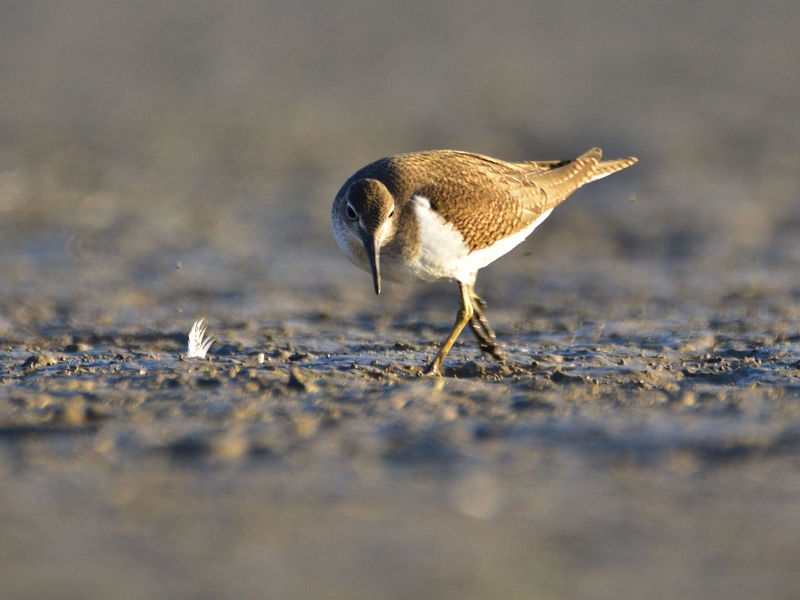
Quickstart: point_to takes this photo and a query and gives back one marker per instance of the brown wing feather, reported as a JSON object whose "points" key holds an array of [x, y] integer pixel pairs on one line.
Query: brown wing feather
{"points": [[543, 191], [484, 198]]}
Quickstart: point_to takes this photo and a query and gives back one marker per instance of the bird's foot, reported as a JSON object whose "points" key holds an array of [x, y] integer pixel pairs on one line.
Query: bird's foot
{"points": [[486, 338], [494, 350], [433, 369]]}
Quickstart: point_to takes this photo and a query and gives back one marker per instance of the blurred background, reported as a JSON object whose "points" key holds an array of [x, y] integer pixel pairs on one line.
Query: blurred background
{"points": [[167, 150]]}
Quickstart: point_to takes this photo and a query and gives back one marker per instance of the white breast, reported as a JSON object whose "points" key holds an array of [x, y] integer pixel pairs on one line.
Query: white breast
{"points": [[444, 254]]}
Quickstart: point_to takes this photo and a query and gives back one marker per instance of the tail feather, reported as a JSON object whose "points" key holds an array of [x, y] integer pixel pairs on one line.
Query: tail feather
{"points": [[551, 187], [607, 167]]}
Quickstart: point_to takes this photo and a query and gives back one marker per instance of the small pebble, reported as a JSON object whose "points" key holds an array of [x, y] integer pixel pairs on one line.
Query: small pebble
{"points": [[306, 425], [298, 381], [71, 414]]}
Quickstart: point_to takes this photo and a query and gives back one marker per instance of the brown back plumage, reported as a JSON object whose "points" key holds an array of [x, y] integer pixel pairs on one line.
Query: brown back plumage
{"points": [[484, 198]]}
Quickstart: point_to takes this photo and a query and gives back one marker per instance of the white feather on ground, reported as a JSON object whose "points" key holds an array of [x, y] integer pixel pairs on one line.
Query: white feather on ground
{"points": [[197, 345]]}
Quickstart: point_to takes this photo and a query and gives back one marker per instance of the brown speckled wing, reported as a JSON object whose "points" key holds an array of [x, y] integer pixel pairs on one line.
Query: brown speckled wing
{"points": [[487, 199], [462, 188], [517, 193]]}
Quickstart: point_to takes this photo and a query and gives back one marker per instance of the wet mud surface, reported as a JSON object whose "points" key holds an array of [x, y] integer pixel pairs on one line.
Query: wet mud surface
{"points": [[599, 452]]}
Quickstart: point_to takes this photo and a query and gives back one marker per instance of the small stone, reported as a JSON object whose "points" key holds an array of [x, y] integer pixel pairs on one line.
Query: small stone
{"points": [[553, 358], [230, 446], [77, 347], [39, 360], [298, 382], [559, 376], [399, 401], [71, 414], [468, 369], [402, 346], [306, 425], [208, 382], [450, 413]]}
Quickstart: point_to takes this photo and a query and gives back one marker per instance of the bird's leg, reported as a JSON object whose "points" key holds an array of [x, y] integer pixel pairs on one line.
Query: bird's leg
{"points": [[478, 322], [481, 328], [463, 317]]}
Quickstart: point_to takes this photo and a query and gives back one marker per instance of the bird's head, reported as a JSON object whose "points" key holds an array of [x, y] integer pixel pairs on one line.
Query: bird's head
{"points": [[367, 210]]}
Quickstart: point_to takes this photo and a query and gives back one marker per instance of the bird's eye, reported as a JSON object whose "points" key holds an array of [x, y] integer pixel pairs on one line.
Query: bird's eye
{"points": [[391, 212], [351, 212]]}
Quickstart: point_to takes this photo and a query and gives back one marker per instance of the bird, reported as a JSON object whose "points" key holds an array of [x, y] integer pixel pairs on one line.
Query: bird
{"points": [[444, 214]]}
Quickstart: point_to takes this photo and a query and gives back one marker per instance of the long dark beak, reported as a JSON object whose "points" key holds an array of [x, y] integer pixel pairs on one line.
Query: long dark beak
{"points": [[373, 253]]}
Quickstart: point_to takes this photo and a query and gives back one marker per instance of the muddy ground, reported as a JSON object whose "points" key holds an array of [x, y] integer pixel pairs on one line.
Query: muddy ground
{"points": [[159, 165], [614, 454]]}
